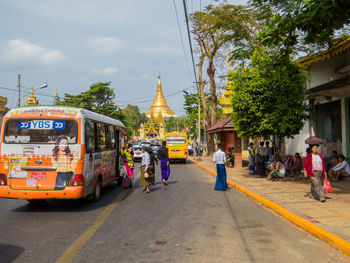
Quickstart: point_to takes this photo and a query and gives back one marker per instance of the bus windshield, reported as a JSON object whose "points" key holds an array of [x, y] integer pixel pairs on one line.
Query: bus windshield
{"points": [[40, 131], [174, 139]]}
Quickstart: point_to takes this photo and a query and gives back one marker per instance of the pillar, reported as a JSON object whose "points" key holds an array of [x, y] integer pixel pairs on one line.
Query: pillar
{"points": [[238, 150]]}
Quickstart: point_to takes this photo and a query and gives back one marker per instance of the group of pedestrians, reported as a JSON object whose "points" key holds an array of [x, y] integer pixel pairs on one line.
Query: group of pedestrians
{"points": [[314, 167], [258, 157], [147, 166]]}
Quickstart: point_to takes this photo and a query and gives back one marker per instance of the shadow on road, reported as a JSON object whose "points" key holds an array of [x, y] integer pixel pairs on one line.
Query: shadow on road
{"points": [[79, 205], [8, 253]]}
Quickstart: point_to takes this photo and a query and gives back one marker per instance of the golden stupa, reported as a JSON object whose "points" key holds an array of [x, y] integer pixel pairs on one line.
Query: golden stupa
{"points": [[31, 100], [160, 106], [225, 100]]}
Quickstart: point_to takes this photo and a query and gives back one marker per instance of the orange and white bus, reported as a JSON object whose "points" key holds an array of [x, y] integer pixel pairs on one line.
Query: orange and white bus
{"points": [[58, 152]]}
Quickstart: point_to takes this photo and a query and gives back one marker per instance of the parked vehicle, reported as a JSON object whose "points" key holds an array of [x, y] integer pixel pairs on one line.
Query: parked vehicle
{"points": [[137, 153], [147, 143]]}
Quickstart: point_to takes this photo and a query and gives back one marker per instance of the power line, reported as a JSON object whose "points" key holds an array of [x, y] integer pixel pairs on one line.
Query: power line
{"points": [[182, 43], [144, 101], [190, 41]]}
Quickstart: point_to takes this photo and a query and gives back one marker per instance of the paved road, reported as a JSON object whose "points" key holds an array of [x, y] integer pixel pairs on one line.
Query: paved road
{"points": [[185, 221]]}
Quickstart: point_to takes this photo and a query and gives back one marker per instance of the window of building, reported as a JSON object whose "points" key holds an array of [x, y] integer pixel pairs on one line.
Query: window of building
{"points": [[328, 121]]}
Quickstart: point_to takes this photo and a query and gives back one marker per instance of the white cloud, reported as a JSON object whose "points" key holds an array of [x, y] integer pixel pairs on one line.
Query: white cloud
{"points": [[104, 45], [21, 50], [105, 71]]}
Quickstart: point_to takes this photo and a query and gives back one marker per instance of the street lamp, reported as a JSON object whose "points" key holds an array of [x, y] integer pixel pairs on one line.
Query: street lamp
{"points": [[44, 86]]}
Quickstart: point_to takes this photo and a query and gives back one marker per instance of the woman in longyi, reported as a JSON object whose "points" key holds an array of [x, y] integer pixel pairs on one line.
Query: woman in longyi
{"points": [[63, 159]]}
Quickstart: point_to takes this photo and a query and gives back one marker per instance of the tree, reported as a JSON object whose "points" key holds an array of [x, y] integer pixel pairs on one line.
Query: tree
{"points": [[302, 22], [268, 97], [99, 98], [134, 117], [175, 124], [212, 31]]}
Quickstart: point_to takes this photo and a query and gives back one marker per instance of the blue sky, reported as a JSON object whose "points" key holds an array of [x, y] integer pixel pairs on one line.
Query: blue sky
{"points": [[71, 44]]}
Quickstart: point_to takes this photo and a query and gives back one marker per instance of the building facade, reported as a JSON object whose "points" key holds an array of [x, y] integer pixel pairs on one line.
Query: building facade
{"points": [[328, 90]]}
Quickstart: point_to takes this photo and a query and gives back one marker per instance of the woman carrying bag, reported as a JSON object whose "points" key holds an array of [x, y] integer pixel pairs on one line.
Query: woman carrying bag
{"points": [[145, 171], [314, 167]]}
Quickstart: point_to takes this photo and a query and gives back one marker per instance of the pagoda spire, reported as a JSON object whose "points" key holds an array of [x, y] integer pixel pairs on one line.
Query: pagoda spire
{"points": [[160, 105], [31, 100], [56, 100]]}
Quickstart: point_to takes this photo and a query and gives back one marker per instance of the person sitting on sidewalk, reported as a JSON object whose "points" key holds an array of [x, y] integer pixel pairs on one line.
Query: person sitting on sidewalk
{"points": [[296, 166], [230, 157], [342, 169], [277, 170], [332, 162]]}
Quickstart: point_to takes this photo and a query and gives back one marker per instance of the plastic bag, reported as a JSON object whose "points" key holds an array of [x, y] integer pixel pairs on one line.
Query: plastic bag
{"points": [[327, 188]]}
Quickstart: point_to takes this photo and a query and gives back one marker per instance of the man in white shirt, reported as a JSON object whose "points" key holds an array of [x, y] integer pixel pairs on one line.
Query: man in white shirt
{"points": [[220, 158], [342, 169]]}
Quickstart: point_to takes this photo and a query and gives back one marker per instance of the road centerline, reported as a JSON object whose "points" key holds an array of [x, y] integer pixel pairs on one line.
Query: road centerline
{"points": [[74, 249]]}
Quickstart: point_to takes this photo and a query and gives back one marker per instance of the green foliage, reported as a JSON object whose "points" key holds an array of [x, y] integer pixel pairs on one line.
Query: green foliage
{"points": [[175, 124], [268, 97], [191, 108], [99, 98], [302, 22], [240, 25], [133, 117]]}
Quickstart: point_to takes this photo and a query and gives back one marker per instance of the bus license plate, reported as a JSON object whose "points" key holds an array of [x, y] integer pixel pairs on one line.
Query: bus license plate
{"points": [[38, 175]]}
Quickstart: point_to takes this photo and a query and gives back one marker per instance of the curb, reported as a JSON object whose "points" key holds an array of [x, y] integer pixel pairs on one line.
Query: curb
{"points": [[340, 244]]}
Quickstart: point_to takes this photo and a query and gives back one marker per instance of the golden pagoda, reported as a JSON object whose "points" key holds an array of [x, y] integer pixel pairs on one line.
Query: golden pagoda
{"points": [[225, 100], [160, 106], [31, 100]]}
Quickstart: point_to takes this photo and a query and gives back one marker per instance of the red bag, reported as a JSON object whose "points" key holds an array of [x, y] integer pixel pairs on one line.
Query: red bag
{"points": [[327, 188]]}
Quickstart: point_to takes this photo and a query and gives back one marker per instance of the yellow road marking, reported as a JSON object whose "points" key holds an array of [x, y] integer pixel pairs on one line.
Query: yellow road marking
{"points": [[73, 250], [332, 239]]}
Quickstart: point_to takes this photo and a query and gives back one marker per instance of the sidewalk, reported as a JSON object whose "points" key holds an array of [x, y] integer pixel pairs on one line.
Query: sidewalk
{"points": [[333, 215]]}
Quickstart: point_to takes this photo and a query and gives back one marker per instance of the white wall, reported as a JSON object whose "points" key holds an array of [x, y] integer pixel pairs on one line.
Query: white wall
{"points": [[297, 144]]}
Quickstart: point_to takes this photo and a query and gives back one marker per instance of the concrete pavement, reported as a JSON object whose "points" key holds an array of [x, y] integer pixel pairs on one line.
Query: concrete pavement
{"points": [[332, 215], [186, 221]]}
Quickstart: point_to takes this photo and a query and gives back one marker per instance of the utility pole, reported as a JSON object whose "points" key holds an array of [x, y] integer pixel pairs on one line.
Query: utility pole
{"points": [[199, 116], [19, 90]]}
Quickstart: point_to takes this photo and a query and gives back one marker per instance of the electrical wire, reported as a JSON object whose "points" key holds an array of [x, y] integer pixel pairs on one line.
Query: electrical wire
{"points": [[182, 43], [150, 100], [190, 41]]}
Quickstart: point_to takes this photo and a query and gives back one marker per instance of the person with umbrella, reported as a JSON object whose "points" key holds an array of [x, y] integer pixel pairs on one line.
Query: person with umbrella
{"points": [[314, 167]]}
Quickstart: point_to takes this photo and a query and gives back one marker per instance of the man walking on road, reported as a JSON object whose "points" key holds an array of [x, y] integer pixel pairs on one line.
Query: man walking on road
{"points": [[220, 159]]}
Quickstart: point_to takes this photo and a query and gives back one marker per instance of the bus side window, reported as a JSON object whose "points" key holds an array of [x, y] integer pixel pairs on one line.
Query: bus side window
{"points": [[117, 139], [101, 137], [90, 136], [111, 137], [108, 138]]}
